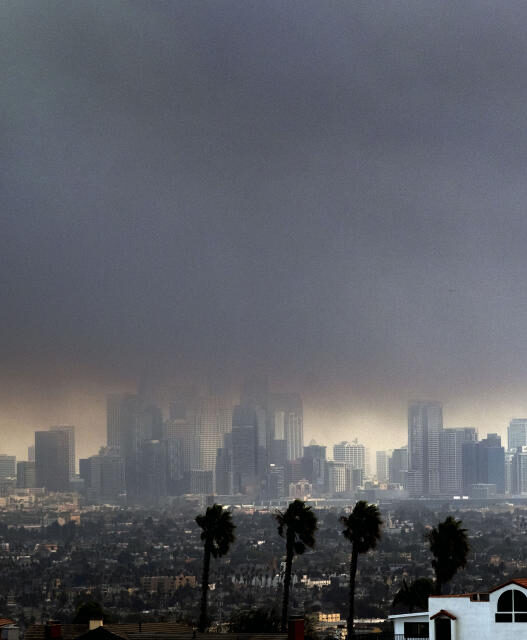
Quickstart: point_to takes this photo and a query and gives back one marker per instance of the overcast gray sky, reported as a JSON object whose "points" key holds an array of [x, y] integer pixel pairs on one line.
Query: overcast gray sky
{"points": [[330, 192]]}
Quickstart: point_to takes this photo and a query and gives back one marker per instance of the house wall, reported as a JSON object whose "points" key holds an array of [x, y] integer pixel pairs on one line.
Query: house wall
{"points": [[398, 623], [475, 620]]}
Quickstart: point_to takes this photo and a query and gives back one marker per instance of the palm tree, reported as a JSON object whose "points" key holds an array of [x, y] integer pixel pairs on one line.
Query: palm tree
{"points": [[217, 535], [449, 546], [362, 528], [297, 524]]}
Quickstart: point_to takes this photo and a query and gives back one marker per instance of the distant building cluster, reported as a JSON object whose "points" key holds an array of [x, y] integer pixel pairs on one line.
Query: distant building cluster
{"points": [[205, 446]]}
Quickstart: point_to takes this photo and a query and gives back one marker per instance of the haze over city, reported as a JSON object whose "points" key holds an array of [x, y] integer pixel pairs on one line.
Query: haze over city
{"points": [[329, 193]]}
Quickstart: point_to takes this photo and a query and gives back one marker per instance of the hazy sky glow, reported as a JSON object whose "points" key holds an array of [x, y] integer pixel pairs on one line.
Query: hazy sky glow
{"points": [[331, 192]]}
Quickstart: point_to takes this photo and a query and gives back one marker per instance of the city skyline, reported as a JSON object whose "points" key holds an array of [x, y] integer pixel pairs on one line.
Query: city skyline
{"points": [[191, 192]]}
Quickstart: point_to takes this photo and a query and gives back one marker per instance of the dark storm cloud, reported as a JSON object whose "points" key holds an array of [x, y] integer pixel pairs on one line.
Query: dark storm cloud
{"points": [[330, 191]]}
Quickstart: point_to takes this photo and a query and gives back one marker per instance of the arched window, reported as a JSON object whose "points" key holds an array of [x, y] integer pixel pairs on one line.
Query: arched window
{"points": [[512, 606]]}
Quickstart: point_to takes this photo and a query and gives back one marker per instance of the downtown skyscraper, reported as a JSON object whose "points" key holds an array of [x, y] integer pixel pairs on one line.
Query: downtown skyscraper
{"points": [[425, 424]]}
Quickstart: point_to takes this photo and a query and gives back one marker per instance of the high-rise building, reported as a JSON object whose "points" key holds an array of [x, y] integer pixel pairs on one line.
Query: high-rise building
{"points": [[491, 462], [183, 430], [508, 472], [244, 439], [52, 459], [175, 473], [336, 477], [103, 475], [483, 464], [7, 466], [399, 466], [154, 465], [275, 482], [425, 423], [201, 482], [31, 453], [517, 433], [519, 471], [286, 422], [25, 475], [130, 422], [213, 419], [382, 463], [70, 431], [314, 465], [224, 468], [351, 453], [451, 458]]}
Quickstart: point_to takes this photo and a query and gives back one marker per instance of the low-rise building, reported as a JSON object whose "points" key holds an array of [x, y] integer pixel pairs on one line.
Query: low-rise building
{"points": [[499, 614]]}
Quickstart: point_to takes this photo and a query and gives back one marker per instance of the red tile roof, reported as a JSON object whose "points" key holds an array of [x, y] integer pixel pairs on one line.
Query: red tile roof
{"points": [[521, 582], [443, 612]]}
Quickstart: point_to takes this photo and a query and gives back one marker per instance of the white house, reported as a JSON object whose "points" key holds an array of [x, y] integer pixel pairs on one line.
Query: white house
{"points": [[499, 614]]}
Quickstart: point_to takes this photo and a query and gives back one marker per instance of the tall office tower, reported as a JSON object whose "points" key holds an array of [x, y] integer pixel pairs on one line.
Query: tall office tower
{"points": [[451, 458], [491, 462], [519, 471], [382, 459], [425, 423], [517, 433], [244, 440], [399, 466], [484, 463], [7, 466], [183, 430], [275, 482], [201, 482], [254, 396], [314, 462], [286, 421], [52, 460], [352, 453], [508, 472], [129, 423], [70, 431], [31, 453], [103, 475], [278, 452], [213, 420], [224, 468], [25, 475], [354, 478], [122, 420], [153, 469], [336, 477], [175, 473]]}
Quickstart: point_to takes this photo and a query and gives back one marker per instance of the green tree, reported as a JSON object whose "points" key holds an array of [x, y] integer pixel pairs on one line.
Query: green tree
{"points": [[363, 529], [297, 524], [217, 536], [449, 546]]}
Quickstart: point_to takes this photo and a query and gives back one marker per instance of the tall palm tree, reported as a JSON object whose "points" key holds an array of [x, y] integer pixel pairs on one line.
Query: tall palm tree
{"points": [[217, 535], [449, 546], [297, 524], [363, 529]]}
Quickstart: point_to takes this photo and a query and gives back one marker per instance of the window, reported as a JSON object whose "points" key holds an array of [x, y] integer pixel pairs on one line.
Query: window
{"points": [[416, 629], [512, 606]]}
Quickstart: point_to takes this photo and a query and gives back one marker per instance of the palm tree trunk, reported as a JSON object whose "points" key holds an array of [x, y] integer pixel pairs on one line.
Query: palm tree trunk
{"points": [[204, 589], [287, 583], [353, 572]]}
